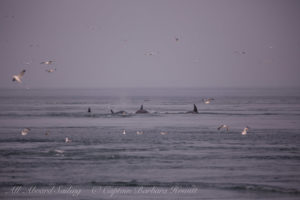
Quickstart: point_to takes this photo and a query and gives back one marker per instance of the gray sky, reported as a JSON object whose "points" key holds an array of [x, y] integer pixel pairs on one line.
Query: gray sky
{"points": [[103, 43]]}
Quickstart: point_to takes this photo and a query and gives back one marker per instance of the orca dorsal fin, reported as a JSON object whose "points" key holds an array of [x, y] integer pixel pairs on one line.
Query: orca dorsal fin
{"points": [[89, 110], [195, 109], [112, 112], [142, 108]]}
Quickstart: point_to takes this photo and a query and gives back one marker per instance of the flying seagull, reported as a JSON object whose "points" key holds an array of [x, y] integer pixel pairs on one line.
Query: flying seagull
{"points": [[151, 53], [19, 76], [25, 131], [50, 70], [240, 52], [47, 62], [208, 100], [223, 126]]}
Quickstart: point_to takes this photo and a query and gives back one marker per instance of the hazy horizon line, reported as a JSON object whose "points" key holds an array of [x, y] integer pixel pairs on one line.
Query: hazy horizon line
{"points": [[151, 87]]}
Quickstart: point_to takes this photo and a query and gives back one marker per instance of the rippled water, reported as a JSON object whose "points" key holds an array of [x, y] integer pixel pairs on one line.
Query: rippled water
{"points": [[193, 160]]}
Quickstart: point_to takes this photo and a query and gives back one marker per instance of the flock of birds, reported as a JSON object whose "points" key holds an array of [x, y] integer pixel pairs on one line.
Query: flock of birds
{"points": [[25, 131], [18, 77]]}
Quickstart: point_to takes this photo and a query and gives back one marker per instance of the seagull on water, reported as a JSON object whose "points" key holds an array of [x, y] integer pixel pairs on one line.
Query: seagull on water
{"points": [[223, 126], [139, 132], [58, 151], [124, 132], [47, 62], [244, 132], [19, 76], [25, 131], [67, 140], [163, 133]]}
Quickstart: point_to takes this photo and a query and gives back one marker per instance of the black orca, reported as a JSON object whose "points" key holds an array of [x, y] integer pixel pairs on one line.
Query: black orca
{"points": [[141, 110], [122, 112], [195, 111]]}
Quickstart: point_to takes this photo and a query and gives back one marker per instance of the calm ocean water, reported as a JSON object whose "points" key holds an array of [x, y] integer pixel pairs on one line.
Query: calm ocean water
{"points": [[192, 161]]}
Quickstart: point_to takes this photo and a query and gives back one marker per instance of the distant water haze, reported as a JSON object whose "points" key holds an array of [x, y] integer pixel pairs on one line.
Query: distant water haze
{"points": [[196, 43]]}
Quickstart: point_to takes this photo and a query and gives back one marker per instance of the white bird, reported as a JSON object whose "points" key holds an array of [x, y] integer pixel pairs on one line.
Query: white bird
{"points": [[208, 100], [223, 126], [67, 140], [139, 132], [47, 62], [163, 133], [58, 151], [25, 131], [124, 132], [244, 132], [19, 76], [27, 63], [50, 70]]}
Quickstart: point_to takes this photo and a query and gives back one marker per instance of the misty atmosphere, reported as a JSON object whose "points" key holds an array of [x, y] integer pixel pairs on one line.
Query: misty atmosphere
{"points": [[157, 43], [150, 99]]}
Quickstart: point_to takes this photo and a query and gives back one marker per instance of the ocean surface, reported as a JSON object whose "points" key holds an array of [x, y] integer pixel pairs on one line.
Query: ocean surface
{"points": [[192, 161]]}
